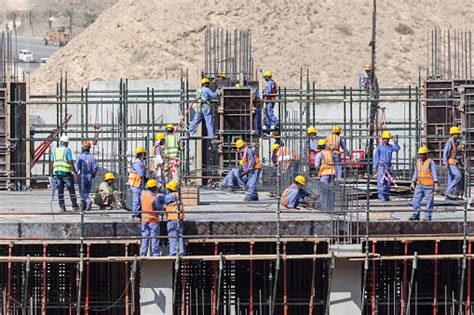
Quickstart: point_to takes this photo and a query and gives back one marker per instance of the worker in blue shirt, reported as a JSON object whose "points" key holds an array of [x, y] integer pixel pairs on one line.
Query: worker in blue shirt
{"points": [[251, 168], [87, 168], [383, 164], [270, 96], [136, 180], [257, 114], [313, 149], [451, 160], [152, 204], [335, 142], [294, 194], [173, 215], [235, 179], [204, 110], [424, 184], [365, 82]]}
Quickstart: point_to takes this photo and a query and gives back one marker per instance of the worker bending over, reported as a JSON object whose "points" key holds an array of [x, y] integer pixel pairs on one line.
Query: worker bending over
{"points": [[326, 169], [383, 164], [62, 169], [269, 95], [251, 168], [336, 144], [312, 148], [204, 109], [171, 152], [424, 183], [236, 179], [107, 195], [157, 163], [451, 160], [175, 230], [136, 180], [151, 219], [87, 168], [294, 194]]}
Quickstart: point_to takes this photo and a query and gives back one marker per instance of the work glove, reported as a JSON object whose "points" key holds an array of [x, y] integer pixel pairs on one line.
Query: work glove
{"points": [[412, 187]]}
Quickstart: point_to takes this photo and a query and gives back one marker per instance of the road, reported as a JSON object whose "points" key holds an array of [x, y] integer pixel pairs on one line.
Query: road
{"points": [[37, 47]]}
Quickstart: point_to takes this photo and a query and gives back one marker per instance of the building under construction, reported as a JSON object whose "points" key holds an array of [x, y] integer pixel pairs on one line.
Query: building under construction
{"points": [[354, 254]]}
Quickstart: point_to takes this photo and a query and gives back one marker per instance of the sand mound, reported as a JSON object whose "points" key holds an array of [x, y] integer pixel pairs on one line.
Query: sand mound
{"points": [[140, 39]]}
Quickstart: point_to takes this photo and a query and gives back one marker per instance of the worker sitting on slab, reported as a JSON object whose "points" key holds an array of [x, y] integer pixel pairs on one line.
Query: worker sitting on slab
{"points": [[285, 157], [251, 168], [451, 160], [312, 148], [294, 194], [204, 109], [62, 168], [326, 169], [136, 180], [151, 219], [175, 228], [383, 165], [158, 159], [424, 184], [336, 144], [171, 153], [269, 95], [236, 179], [87, 168], [107, 195]]}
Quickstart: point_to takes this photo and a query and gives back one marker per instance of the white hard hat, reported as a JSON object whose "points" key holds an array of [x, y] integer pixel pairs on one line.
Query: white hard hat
{"points": [[64, 138]]}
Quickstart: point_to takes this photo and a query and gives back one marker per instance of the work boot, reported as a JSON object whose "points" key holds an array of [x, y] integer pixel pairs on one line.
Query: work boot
{"points": [[89, 206], [450, 197], [414, 217], [75, 208], [63, 208]]}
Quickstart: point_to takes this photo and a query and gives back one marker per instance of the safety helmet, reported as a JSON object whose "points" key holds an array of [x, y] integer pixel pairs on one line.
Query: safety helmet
{"points": [[139, 150], [64, 138], [386, 135], [322, 142], [454, 130], [173, 186], [423, 150], [160, 136], [368, 67], [275, 146], [151, 183], [169, 126], [86, 143], [336, 129], [241, 162], [221, 74], [239, 143], [109, 176], [300, 180], [312, 130], [238, 85], [267, 74], [205, 80]]}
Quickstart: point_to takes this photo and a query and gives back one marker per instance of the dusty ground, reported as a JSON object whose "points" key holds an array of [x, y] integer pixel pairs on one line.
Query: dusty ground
{"points": [[147, 38]]}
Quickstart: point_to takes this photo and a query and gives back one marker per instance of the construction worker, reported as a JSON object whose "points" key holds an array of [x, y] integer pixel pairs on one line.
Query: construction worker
{"points": [[157, 165], [171, 151], [235, 179], [383, 165], [451, 160], [270, 96], [285, 156], [136, 180], [294, 194], [424, 184], [171, 206], [87, 168], [257, 111], [336, 144], [365, 82], [107, 195], [150, 219], [251, 168], [204, 109], [62, 168], [324, 165], [313, 149]]}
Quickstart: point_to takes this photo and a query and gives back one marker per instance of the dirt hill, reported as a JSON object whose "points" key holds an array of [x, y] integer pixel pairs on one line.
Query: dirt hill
{"points": [[149, 38]]}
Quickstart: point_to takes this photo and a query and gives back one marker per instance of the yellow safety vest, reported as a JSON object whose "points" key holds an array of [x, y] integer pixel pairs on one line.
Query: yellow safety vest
{"points": [[61, 164], [171, 147]]}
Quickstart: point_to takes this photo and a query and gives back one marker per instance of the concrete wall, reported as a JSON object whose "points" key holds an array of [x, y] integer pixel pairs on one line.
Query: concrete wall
{"points": [[156, 288]]}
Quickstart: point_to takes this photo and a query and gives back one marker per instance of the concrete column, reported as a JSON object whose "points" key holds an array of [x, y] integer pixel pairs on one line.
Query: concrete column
{"points": [[156, 287], [346, 286]]}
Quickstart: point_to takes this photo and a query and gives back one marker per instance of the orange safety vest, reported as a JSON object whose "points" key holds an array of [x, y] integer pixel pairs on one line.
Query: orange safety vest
{"points": [[133, 179], [425, 177], [273, 92], [147, 207], [327, 164], [453, 153], [333, 142], [246, 160], [284, 197], [172, 210]]}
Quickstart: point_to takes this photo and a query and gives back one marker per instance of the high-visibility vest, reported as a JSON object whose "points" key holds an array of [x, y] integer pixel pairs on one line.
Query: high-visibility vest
{"points": [[333, 142], [425, 177], [172, 210], [171, 146], [453, 153], [202, 99], [246, 160], [273, 92], [327, 164], [61, 164], [147, 207], [133, 179], [284, 195]]}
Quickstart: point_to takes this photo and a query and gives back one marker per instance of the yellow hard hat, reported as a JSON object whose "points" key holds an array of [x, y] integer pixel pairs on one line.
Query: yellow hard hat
{"points": [[455, 130], [386, 135], [139, 150], [423, 150], [336, 128], [109, 176], [169, 126], [204, 80], [160, 136], [239, 143], [275, 146], [300, 180], [322, 142], [151, 183], [221, 74], [312, 130], [238, 85], [241, 162], [267, 74], [173, 186], [368, 67]]}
